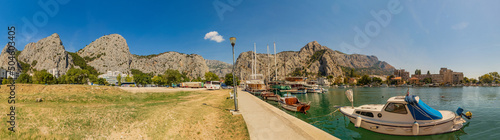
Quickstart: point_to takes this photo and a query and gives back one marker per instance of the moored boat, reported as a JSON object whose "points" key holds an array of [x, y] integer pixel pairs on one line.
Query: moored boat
{"points": [[404, 115], [292, 103], [270, 96]]}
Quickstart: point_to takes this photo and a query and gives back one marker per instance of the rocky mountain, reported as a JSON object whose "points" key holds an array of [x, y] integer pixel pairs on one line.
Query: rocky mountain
{"points": [[111, 53], [47, 54], [4, 59], [192, 64], [312, 59], [218, 67], [108, 53]]}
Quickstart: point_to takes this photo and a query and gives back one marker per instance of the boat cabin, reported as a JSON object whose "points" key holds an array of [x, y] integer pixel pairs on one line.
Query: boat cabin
{"points": [[400, 109]]}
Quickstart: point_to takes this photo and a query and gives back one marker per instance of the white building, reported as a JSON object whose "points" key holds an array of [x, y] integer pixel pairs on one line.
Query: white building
{"points": [[111, 76], [6, 74]]}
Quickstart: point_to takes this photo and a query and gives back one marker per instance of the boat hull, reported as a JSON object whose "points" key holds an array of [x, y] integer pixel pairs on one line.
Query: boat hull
{"points": [[406, 129], [297, 107]]}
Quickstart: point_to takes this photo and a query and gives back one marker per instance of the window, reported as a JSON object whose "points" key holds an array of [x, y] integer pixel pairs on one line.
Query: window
{"points": [[396, 108], [368, 114]]}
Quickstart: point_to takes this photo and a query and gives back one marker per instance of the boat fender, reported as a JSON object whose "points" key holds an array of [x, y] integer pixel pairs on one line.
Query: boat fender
{"points": [[358, 122], [415, 128], [468, 115]]}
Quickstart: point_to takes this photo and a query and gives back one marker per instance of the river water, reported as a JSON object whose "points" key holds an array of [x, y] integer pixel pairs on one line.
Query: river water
{"points": [[483, 102]]}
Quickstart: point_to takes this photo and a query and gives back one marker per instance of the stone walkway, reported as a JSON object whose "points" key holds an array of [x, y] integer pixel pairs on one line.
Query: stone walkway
{"points": [[266, 122]]}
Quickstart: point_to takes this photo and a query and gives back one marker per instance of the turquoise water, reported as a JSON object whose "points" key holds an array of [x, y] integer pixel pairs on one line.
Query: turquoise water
{"points": [[483, 102]]}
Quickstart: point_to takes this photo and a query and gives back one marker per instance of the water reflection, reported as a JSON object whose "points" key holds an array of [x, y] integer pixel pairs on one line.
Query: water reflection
{"points": [[483, 102]]}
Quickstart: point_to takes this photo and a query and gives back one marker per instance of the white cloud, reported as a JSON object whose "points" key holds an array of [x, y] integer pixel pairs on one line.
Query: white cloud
{"points": [[214, 36], [460, 26]]}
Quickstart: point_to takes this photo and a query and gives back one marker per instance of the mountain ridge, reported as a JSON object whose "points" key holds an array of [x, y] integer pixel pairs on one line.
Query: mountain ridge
{"points": [[111, 53]]}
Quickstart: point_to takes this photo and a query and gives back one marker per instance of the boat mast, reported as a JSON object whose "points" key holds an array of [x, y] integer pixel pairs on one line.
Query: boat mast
{"points": [[268, 66], [255, 60], [276, 68]]}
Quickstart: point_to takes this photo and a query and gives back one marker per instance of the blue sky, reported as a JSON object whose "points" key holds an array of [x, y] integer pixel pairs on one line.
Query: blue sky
{"points": [[461, 35]]}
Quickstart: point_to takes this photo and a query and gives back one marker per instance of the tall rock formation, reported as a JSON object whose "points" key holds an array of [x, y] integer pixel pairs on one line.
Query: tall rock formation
{"points": [[218, 67], [108, 53], [47, 54], [192, 64], [4, 60], [111, 53], [313, 59]]}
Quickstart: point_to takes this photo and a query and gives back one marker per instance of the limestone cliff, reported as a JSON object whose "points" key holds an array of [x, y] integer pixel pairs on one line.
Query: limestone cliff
{"points": [[47, 54], [218, 67], [312, 59], [4, 60], [111, 53]]}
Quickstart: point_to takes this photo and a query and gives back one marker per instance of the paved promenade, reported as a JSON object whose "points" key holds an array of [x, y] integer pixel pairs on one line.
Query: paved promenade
{"points": [[266, 122]]}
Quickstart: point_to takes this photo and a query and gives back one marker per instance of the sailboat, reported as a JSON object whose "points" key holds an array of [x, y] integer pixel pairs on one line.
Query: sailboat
{"points": [[255, 84]]}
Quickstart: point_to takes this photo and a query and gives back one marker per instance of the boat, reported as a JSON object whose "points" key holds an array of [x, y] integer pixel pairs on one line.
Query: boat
{"points": [[292, 103], [313, 87], [278, 87], [298, 85], [404, 115], [270, 96], [256, 84]]}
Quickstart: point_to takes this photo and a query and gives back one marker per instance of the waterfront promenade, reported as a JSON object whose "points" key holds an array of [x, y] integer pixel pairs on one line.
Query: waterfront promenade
{"points": [[265, 121]]}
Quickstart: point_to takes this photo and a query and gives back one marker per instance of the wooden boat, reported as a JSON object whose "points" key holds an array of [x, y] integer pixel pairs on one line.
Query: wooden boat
{"points": [[291, 103], [404, 115], [270, 96]]}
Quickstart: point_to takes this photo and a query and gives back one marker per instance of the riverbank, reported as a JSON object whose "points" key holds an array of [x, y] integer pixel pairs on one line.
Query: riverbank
{"points": [[102, 112], [265, 121]]}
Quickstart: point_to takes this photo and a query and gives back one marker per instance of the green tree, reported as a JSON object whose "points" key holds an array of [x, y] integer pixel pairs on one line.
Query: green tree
{"points": [[466, 80], [210, 76], [418, 72], [486, 79], [63, 79], [101, 81], [228, 80], [389, 79], [172, 76], [427, 80], [142, 79], [24, 78], [43, 77], [78, 76], [376, 80], [353, 73], [7, 80], [128, 78], [428, 72], [158, 80], [297, 72], [119, 79], [473, 80], [364, 80]]}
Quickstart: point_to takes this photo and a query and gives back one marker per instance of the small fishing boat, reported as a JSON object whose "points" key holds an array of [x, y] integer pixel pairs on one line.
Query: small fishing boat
{"points": [[404, 115], [270, 96], [292, 103]]}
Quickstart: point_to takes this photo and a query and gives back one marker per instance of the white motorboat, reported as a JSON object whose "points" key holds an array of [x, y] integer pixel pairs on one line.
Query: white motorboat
{"points": [[404, 115]]}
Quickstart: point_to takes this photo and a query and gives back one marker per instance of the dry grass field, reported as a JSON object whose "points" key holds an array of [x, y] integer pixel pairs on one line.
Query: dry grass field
{"points": [[100, 112]]}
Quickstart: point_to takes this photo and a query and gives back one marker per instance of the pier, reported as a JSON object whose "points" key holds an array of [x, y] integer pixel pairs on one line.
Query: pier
{"points": [[265, 121]]}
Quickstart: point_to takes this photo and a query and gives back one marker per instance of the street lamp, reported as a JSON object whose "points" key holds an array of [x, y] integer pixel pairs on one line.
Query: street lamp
{"points": [[233, 41]]}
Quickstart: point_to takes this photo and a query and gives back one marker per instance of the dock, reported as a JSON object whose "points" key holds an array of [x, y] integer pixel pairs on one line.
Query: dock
{"points": [[265, 121]]}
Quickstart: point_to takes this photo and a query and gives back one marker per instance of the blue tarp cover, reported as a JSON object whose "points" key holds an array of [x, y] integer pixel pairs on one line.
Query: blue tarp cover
{"points": [[420, 110]]}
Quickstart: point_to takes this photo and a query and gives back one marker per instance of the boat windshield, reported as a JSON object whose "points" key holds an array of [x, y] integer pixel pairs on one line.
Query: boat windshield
{"points": [[396, 108]]}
